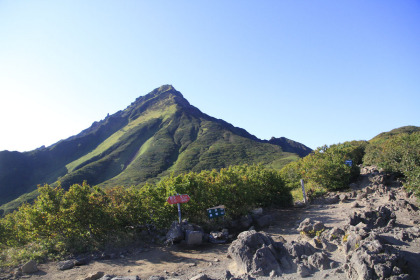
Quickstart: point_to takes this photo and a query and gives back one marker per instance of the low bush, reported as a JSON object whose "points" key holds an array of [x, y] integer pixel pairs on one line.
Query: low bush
{"points": [[325, 169], [398, 153], [86, 218]]}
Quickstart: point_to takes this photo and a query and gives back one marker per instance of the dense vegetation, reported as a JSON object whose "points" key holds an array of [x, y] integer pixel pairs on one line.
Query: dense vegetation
{"points": [[85, 218], [398, 153], [325, 169]]}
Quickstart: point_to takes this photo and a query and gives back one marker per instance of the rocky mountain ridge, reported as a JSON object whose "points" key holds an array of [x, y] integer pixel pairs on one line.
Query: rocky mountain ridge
{"points": [[158, 134]]}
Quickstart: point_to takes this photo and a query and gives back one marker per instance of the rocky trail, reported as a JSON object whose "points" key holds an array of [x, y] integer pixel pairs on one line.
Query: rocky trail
{"points": [[371, 231]]}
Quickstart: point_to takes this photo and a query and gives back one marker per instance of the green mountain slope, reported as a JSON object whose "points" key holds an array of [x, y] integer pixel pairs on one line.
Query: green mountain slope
{"points": [[156, 135], [386, 135]]}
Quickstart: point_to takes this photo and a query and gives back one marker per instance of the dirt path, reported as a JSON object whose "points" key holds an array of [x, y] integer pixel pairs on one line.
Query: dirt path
{"points": [[183, 262]]}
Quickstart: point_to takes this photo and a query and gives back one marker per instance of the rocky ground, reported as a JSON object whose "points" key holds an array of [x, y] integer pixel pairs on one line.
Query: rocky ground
{"points": [[372, 231]]}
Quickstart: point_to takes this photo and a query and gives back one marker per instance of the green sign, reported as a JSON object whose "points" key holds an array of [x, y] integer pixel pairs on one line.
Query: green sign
{"points": [[215, 212]]}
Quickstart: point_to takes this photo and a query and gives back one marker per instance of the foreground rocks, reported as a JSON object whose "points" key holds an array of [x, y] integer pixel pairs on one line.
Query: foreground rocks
{"points": [[370, 231], [256, 253]]}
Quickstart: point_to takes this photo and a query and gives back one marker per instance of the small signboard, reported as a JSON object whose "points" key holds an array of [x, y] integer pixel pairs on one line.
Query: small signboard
{"points": [[179, 198], [349, 162], [215, 212]]}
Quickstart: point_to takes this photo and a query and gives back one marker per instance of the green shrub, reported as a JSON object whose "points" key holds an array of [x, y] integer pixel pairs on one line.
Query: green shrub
{"points": [[325, 168], [399, 153], [87, 218]]}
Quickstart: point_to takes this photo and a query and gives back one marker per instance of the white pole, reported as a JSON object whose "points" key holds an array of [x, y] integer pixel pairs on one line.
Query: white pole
{"points": [[179, 212], [303, 191]]}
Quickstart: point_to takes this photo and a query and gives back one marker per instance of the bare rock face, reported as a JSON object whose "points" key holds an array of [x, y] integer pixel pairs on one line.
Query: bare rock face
{"points": [[251, 250], [257, 254]]}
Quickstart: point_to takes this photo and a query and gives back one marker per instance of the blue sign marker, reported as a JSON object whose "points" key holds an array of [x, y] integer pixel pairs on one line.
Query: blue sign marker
{"points": [[349, 163]]}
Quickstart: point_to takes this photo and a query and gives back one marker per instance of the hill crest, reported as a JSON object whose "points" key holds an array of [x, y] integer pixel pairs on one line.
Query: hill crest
{"points": [[156, 135]]}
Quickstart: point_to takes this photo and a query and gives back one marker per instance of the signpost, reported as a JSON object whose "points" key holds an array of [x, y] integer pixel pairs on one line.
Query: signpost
{"points": [[217, 211], [178, 199], [349, 162]]}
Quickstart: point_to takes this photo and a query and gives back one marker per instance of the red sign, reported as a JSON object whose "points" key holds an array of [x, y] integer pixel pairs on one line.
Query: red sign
{"points": [[180, 198]]}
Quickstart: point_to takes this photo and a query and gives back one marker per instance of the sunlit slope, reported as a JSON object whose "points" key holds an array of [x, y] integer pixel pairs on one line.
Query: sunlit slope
{"points": [[158, 134]]}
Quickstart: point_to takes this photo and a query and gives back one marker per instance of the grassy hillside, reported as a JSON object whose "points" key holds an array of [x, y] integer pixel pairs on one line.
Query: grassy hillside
{"points": [[158, 134]]}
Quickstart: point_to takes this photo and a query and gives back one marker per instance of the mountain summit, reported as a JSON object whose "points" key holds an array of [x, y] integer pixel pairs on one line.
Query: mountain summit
{"points": [[157, 134]]}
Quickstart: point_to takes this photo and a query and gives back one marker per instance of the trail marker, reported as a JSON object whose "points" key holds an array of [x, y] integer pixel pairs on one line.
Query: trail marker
{"points": [[178, 199], [217, 211]]}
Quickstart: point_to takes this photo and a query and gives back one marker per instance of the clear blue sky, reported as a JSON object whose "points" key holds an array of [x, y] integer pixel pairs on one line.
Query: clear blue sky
{"points": [[317, 72]]}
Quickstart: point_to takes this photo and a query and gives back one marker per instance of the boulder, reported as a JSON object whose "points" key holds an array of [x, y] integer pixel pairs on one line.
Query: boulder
{"points": [[64, 265], [306, 225], [245, 221], [175, 233], [303, 270], [201, 276], [257, 254], [257, 211], [30, 267], [194, 237], [319, 261], [242, 250], [318, 226], [265, 263], [332, 200], [358, 268], [94, 276], [297, 250], [335, 234], [264, 221]]}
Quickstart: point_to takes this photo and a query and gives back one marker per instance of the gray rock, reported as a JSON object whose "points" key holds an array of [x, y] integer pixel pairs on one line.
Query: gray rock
{"points": [[319, 261], [360, 196], [264, 221], [126, 278], [318, 226], [257, 211], [369, 190], [175, 233], [94, 276], [243, 249], [353, 242], [306, 225], [382, 271], [355, 205], [265, 262], [245, 221], [297, 250], [201, 276], [81, 261], [343, 197], [328, 246], [335, 234], [303, 270], [155, 277], [106, 277], [228, 275], [358, 268], [194, 237], [333, 200], [64, 265], [30, 267]]}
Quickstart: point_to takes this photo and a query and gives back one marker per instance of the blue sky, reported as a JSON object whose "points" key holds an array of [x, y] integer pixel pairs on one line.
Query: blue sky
{"points": [[317, 72]]}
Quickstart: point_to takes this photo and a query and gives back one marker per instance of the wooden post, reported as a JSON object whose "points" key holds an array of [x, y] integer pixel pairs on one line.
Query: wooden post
{"points": [[303, 191]]}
